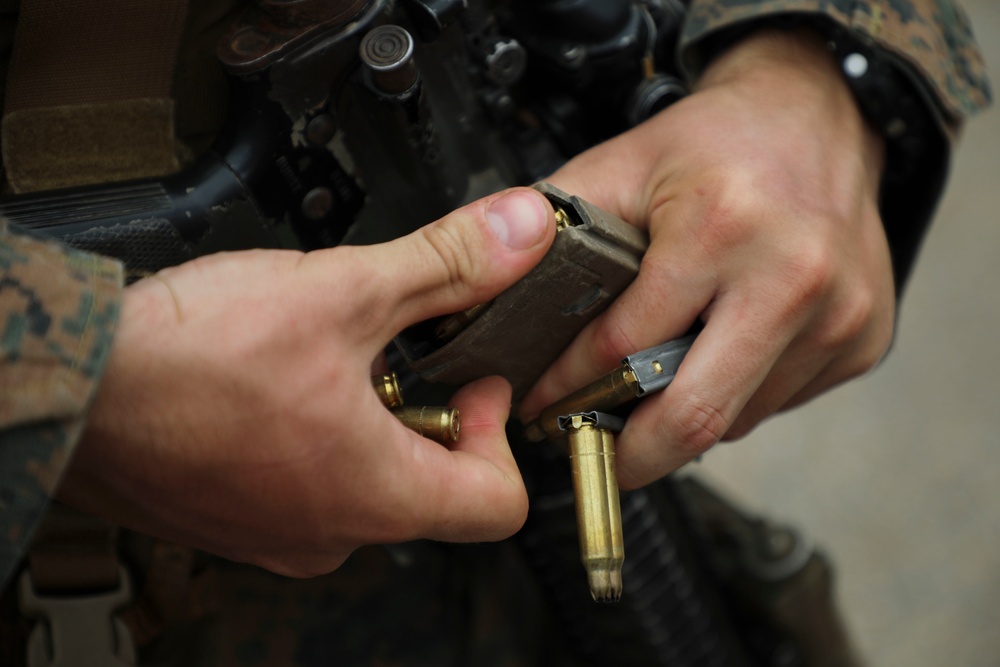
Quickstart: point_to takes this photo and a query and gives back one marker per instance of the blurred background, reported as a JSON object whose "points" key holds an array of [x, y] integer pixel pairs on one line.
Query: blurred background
{"points": [[897, 475]]}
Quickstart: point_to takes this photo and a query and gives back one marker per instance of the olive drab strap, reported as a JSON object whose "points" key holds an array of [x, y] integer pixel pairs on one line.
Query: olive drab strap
{"points": [[73, 588], [89, 92], [86, 607]]}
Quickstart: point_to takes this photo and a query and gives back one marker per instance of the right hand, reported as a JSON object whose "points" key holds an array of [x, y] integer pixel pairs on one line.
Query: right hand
{"points": [[237, 414]]}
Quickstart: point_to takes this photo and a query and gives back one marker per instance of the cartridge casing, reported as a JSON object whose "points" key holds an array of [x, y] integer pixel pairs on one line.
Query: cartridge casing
{"points": [[436, 423], [604, 394], [598, 513], [387, 388]]}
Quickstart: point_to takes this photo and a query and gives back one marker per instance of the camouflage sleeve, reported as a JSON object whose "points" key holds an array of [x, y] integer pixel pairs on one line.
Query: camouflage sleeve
{"points": [[58, 308], [931, 38]]}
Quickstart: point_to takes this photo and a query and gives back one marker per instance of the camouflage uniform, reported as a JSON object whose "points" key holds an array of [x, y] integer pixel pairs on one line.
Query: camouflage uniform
{"points": [[930, 39], [58, 309]]}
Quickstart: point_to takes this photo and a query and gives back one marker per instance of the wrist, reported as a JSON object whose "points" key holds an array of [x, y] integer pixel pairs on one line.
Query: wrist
{"points": [[795, 67], [769, 52]]}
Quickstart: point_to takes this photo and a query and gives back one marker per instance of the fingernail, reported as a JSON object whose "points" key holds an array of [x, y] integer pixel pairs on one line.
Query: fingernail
{"points": [[518, 219]]}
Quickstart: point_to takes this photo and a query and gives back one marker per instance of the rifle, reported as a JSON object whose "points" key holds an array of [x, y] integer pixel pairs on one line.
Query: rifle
{"points": [[345, 128]]}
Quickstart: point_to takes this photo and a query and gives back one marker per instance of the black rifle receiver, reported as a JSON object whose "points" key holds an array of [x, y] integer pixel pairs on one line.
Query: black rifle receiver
{"points": [[264, 183]]}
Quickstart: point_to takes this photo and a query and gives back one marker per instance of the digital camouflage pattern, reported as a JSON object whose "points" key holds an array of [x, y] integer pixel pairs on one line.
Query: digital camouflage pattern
{"points": [[931, 36], [58, 308], [450, 605]]}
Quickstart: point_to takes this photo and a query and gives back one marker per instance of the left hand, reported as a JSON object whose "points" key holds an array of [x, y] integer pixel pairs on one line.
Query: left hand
{"points": [[759, 192]]}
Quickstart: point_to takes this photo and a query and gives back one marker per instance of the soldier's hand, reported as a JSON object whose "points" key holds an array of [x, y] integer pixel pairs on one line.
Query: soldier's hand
{"points": [[759, 192], [237, 414]]}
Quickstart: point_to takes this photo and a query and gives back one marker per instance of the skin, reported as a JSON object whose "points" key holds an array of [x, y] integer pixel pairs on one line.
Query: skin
{"points": [[237, 413], [237, 416], [759, 192]]}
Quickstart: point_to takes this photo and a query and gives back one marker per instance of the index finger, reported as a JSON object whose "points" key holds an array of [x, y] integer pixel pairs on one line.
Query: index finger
{"points": [[472, 491], [728, 362]]}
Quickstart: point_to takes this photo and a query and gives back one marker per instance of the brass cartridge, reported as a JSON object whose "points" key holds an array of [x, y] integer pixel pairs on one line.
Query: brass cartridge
{"points": [[441, 424], [606, 393], [387, 388], [563, 219], [598, 512], [640, 374]]}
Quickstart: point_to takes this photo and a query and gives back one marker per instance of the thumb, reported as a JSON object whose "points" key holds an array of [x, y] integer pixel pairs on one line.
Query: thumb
{"points": [[465, 258]]}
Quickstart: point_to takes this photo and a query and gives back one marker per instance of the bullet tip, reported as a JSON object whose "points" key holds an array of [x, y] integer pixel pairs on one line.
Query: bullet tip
{"points": [[605, 584]]}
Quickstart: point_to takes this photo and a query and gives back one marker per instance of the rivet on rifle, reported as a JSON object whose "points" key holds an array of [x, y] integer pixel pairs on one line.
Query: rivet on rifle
{"points": [[505, 60], [321, 129], [387, 51], [248, 41], [573, 56], [317, 203]]}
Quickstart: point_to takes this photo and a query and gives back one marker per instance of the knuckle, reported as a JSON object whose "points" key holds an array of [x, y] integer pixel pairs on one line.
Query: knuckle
{"points": [[725, 224], [865, 362], [855, 319], [732, 211], [813, 271], [867, 359], [805, 277], [454, 257], [862, 318], [884, 333], [699, 426]]}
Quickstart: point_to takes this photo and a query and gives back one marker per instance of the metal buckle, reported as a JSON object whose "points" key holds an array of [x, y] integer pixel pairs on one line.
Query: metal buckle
{"points": [[77, 630]]}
